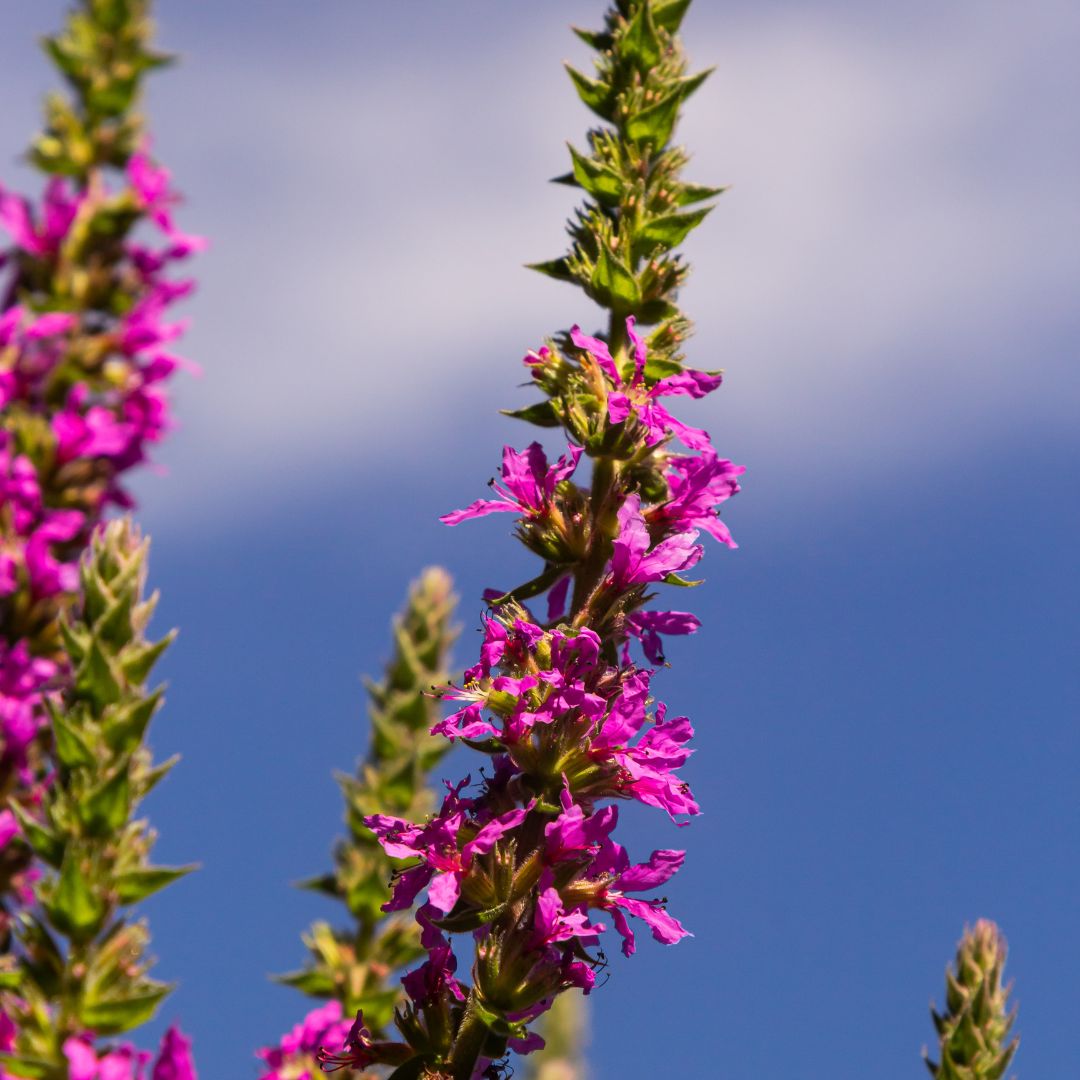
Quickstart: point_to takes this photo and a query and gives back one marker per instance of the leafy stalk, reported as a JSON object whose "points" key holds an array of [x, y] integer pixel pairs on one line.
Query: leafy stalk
{"points": [[974, 1030], [357, 965], [82, 962], [638, 208]]}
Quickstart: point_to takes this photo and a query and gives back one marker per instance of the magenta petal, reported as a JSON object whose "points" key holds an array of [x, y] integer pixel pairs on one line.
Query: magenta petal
{"points": [[661, 866], [599, 352], [478, 509], [443, 892]]}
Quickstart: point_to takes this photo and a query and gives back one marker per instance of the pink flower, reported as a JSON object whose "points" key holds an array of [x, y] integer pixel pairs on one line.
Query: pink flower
{"points": [[443, 864], [435, 977], [661, 866], [322, 1027], [641, 400], [698, 486], [528, 485], [151, 186], [58, 212], [647, 626], [632, 561], [174, 1060]]}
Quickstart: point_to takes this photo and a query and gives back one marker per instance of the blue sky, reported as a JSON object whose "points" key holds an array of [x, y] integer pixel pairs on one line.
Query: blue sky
{"points": [[885, 687]]}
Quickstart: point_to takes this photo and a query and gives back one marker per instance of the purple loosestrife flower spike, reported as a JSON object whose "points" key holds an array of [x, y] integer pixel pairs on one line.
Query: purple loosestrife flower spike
{"points": [[94, 848], [974, 1029], [85, 286], [355, 966], [526, 860], [84, 360]]}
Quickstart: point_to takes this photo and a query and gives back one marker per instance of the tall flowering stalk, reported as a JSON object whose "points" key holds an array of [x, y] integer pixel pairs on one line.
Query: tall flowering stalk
{"points": [[559, 702], [82, 962], [356, 967], [85, 289], [974, 1029], [84, 358]]}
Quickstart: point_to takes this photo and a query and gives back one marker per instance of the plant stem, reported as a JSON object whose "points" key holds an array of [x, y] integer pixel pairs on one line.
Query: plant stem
{"points": [[469, 1044]]}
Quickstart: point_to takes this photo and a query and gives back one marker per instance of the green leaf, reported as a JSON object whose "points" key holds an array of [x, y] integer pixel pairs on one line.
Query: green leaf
{"points": [[414, 1069], [71, 748], [656, 123], [113, 1016], [555, 268], [672, 229], [46, 844], [671, 14], [32, 1068], [95, 679], [596, 95], [686, 194], [640, 42], [602, 182], [158, 773], [105, 810], [10, 980], [315, 982], [612, 279], [542, 414], [114, 626], [532, 588], [326, 884], [137, 662], [595, 39], [125, 727], [111, 14], [135, 885], [75, 908], [674, 579]]}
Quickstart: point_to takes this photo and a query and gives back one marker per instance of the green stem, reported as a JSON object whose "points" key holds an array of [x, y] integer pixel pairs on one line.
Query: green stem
{"points": [[469, 1044]]}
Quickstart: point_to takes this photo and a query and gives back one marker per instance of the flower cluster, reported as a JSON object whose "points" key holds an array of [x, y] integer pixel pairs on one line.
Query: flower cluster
{"points": [[84, 359], [296, 1055], [529, 863], [119, 1062], [86, 286], [560, 701]]}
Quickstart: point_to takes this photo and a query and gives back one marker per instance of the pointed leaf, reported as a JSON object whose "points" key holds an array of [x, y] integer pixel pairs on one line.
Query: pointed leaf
{"points": [[71, 748], [596, 95], [31, 1068], [138, 661], [542, 414], [95, 680], [135, 885], [75, 908], [639, 41], [656, 123], [46, 844], [114, 1016], [685, 583], [672, 229], [125, 727], [414, 1069], [555, 268], [612, 278], [671, 14], [595, 39], [532, 588], [158, 773], [600, 181], [317, 983], [686, 194], [105, 810]]}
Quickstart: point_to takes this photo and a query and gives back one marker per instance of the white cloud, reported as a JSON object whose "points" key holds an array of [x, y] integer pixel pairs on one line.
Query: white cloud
{"points": [[885, 280]]}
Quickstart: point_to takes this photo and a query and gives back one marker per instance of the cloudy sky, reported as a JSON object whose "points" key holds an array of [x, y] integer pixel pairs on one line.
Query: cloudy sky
{"points": [[885, 686]]}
